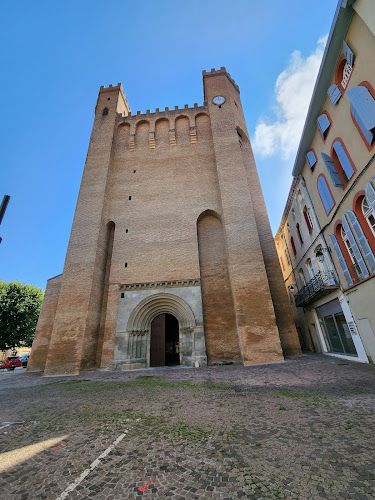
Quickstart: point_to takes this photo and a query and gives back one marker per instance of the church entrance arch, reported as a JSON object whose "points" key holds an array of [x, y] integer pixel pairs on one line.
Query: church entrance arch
{"points": [[160, 328], [165, 341]]}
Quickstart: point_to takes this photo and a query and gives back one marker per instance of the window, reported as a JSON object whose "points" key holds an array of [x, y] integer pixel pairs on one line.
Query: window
{"points": [[310, 268], [345, 68], [342, 161], [334, 93], [302, 277], [306, 214], [323, 123], [332, 170], [325, 194], [341, 259], [293, 213], [299, 234], [287, 256], [348, 246], [293, 245], [362, 105], [105, 112], [311, 159], [368, 215], [282, 263], [361, 247]]}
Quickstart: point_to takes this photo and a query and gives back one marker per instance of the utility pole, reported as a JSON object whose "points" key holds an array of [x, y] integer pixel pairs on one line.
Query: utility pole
{"points": [[3, 207]]}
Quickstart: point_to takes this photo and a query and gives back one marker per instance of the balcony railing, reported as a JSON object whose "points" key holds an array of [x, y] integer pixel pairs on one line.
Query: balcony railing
{"points": [[319, 286]]}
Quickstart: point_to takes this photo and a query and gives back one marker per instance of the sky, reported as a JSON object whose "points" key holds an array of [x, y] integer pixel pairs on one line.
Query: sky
{"points": [[56, 55]]}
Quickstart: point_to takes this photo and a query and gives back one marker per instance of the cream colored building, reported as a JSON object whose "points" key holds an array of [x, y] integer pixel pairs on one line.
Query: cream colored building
{"points": [[328, 228]]}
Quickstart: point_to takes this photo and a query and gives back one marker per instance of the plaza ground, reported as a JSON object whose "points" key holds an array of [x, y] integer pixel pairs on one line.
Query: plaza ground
{"points": [[302, 429]]}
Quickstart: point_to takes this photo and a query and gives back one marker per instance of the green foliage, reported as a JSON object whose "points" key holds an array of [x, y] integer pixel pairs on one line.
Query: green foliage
{"points": [[19, 311]]}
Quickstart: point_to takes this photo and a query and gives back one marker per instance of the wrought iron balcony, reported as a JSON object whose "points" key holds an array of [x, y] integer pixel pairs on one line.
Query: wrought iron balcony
{"points": [[320, 285]]}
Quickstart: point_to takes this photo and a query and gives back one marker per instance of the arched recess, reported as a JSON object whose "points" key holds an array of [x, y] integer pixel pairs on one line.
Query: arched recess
{"points": [[142, 133], [182, 126], [106, 269], [161, 303], [122, 138], [203, 125], [218, 308], [162, 132]]}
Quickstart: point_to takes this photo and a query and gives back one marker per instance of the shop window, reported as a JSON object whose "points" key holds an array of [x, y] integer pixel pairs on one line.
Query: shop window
{"points": [[362, 105], [306, 214], [325, 194]]}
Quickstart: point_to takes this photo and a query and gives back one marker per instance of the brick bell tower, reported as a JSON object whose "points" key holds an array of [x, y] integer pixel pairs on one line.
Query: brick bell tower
{"points": [[170, 228]]}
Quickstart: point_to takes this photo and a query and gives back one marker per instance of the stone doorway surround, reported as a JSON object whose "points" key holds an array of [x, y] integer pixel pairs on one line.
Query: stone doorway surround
{"points": [[140, 303]]}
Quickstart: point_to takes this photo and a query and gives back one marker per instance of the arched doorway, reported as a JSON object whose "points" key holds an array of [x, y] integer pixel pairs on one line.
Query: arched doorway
{"points": [[165, 347]]}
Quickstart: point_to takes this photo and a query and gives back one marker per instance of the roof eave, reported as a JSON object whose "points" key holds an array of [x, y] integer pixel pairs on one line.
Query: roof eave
{"points": [[340, 25]]}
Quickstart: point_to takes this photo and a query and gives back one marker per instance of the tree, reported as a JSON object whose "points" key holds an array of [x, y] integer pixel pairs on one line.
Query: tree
{"points": [[19, 311]]}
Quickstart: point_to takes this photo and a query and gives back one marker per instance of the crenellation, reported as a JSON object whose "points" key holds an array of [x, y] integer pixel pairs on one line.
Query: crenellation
{"points": [[222, 70], [167, 112]]}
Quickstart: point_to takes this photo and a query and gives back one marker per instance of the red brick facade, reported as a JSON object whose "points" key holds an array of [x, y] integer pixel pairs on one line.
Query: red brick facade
{"points": [[169, 195]]}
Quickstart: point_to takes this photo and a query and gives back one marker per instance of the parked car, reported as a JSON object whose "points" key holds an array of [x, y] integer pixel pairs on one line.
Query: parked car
{"points": [[12, 362], [24, 360]]}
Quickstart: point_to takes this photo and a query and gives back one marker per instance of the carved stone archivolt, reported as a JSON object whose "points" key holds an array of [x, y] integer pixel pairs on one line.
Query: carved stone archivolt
{"points": [[160, 284], [150, 307]]}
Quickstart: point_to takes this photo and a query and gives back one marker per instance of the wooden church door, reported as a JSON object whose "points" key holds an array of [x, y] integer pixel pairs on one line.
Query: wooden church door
{"points": [[157, 348]]}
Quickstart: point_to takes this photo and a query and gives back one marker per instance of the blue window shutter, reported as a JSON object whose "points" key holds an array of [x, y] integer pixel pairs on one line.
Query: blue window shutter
{"points": [[370, 196], [334, 93], [311, 159], [331, 168], [349, 56], [343, 159], [323, 124], [355, 247], [325, 194], [369, 136], [342, 262], [362, 240], [363, 108]]}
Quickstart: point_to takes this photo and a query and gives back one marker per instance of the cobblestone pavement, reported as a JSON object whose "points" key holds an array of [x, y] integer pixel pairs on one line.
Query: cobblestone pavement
{"points": [[302, 429]]}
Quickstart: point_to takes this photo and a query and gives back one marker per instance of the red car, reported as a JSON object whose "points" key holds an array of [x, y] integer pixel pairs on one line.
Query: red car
{"points": [[12, 362]]}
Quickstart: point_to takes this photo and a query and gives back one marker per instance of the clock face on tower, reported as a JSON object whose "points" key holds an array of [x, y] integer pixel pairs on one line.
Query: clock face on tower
{"points": [[219, 99]]}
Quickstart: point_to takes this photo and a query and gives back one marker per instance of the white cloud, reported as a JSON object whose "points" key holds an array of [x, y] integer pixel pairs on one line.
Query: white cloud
{"points": [[293, 90]]}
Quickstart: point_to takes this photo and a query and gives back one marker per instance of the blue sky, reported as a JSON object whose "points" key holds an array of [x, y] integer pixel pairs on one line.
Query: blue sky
{"points": [[55, 56]]}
